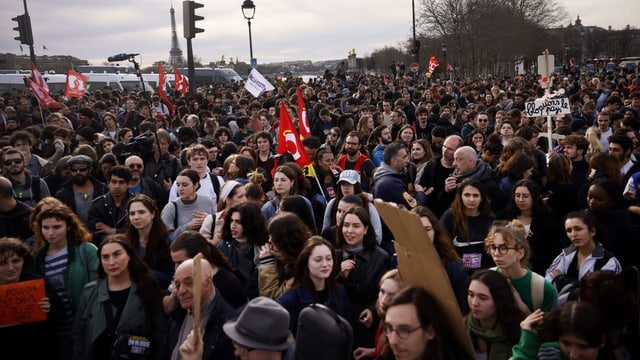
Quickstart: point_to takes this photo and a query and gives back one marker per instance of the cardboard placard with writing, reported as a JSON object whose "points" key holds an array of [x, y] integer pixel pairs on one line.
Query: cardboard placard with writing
{"points": [[19, 302], [420, 265]]}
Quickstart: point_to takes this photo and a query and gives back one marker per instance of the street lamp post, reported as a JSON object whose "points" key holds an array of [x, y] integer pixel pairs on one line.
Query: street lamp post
{"points": [[248, 11], [444, 55], [566, 56]]}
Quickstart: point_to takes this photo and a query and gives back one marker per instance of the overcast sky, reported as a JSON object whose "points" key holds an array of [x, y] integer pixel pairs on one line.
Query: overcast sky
{"points": [[282, 29]]}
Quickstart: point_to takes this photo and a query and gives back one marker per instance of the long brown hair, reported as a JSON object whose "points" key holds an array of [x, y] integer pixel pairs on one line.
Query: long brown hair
{"points": [[76, 232], [441, 240], [157, 251], [457, 207]]}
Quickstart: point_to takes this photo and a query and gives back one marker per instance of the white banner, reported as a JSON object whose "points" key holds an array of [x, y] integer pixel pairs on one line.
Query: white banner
{"points": [[542, 107], [256, 83]]}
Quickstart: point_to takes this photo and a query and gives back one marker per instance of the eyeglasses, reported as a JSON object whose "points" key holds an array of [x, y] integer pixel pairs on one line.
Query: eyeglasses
{"points": [[502, 249], [8, 162], [401, 331], [78, 169], [135, 166], [483, 120]]}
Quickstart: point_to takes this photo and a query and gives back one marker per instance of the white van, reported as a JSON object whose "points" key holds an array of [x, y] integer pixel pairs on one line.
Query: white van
{"points": [[99, 81], [12, 83]]}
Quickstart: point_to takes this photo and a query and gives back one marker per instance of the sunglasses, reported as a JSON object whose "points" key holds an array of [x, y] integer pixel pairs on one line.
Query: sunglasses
{"points": [[79, 169], [8, 162], [135, 166]]}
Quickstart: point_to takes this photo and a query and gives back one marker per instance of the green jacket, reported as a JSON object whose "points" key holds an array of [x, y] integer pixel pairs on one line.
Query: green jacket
{"points": [[81, 268], [530, 347], [91, 321]]}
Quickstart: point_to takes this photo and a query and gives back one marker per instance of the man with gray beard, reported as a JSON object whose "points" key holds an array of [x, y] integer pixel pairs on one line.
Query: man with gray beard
{"points": [[140, 184]]}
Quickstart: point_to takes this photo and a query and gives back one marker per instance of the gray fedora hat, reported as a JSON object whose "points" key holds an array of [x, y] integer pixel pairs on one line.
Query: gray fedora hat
{"points": [[263, 324]]}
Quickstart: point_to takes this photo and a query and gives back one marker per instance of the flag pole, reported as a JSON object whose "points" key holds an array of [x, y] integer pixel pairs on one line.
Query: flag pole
{"points": [[315, 175]]}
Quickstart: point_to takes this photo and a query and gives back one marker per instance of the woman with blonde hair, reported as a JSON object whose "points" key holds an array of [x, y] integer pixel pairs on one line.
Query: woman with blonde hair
{"points": [[68, 260], [365, 126], [593, 137], [508, 246]]}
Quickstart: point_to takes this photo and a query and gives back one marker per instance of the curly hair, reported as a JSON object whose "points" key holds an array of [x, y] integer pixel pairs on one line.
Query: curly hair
{"points": [[507, 312], [514, 235], [253, 223], [289, 234], [76, 231], [157, 250], [13, 246]]}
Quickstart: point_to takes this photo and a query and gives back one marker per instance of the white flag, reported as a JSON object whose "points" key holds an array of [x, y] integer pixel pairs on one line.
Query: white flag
{"points": [[256, 83]]}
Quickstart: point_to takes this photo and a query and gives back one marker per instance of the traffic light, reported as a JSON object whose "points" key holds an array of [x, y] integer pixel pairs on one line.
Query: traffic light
{"points": [[24, 29], [189, 18]]}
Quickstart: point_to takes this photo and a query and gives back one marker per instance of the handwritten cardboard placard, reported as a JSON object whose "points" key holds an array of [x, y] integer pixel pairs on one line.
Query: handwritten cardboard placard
{"points": [[19, 302], [542, 107]]}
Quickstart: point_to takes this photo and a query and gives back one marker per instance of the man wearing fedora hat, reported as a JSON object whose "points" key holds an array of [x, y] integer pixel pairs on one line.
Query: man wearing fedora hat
{"points": [[262, 331], [215, 311]]}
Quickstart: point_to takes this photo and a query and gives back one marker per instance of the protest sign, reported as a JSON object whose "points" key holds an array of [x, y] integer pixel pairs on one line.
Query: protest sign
{"points": [[19, 302], [420, 265], [545, 107], [256, 83]]}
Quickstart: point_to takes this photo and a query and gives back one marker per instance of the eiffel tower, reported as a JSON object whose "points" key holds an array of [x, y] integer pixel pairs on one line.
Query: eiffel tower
{"points": [[175, 55]]}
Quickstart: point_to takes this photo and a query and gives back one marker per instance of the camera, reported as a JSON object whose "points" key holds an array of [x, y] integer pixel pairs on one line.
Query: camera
{"points": [[141, 145]]}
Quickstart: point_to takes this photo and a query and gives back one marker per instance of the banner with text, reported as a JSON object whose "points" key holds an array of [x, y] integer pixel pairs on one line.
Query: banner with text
{"points": [[256, 83], [544, 107], [19, 302]]}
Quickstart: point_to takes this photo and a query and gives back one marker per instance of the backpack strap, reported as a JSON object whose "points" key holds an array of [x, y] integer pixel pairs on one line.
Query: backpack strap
{"points": [[35, 189], [175, 217], [537, 290], [216, 184]]}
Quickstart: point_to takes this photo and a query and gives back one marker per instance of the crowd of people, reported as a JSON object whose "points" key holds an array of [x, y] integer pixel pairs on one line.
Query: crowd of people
{"points": [[110, 197]]}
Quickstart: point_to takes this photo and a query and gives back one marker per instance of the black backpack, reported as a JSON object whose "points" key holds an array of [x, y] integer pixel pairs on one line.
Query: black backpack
{"points": [[322, 334]]}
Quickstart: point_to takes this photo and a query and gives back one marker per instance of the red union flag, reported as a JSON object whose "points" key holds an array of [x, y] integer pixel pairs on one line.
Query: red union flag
{"points": [[180, 82], [433, 64], [161, 79], [76, 84], [43, 96], [303, 120], [289, 140], [37, 77]]}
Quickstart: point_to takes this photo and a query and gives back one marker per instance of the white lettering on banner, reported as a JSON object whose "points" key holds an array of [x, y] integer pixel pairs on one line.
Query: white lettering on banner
{"points": [[542, 107], [256, 83]]}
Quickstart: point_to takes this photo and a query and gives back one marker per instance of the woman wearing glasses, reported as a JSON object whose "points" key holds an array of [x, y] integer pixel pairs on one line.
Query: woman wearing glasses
{"points": [[416, 328], [493, 321], [508, 246], [543, 234]]}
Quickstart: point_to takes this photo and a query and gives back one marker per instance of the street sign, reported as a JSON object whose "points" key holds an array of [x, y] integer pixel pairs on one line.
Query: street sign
{"points": [[415, 67]]}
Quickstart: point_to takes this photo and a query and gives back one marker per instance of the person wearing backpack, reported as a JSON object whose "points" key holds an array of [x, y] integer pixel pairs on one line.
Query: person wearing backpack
{"points": [[508, 246], [27, 188], [585, 255]]}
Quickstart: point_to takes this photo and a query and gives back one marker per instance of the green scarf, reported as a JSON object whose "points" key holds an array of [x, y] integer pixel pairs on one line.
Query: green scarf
{"points": [[499, 345]]}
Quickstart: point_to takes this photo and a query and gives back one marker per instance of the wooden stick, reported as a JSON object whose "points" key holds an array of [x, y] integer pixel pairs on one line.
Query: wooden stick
{"points": [[197, 296]]}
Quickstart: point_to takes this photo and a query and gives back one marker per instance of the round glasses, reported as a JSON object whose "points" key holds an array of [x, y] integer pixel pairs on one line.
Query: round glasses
{"points": [[501, 249]]}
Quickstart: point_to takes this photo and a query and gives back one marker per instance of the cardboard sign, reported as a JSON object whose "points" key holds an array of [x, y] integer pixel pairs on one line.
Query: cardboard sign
{"points": [[19, 302], [542, 107], [420, 265]]}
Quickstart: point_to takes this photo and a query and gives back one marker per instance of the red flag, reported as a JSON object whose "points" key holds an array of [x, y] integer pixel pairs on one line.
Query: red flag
{"points": [[289, 141], [43, 96], [161, 79], [433, 64], [303, 120], [180, 83], [76, 84], [37, 77], [449, 67]]}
